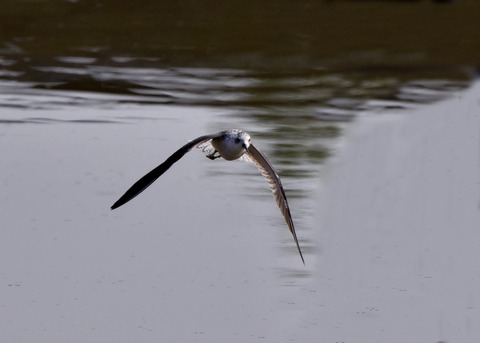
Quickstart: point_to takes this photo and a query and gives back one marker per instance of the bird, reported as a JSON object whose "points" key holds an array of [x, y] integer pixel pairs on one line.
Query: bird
{"points": [[232, 144]]}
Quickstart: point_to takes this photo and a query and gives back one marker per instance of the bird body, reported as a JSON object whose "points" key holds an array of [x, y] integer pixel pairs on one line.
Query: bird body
{"points": [[231, 145]]}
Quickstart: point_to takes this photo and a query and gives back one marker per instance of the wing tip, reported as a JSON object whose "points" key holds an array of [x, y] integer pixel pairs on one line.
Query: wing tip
{"points": [[116, 205], [300, 251]]}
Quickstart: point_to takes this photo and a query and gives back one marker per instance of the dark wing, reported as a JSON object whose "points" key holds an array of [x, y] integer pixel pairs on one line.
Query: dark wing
{"points": [[148, 179], [277, 189]]}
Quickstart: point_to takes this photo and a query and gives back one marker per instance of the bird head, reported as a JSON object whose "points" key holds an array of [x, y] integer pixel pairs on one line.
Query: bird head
{"points": [[243, 139]]}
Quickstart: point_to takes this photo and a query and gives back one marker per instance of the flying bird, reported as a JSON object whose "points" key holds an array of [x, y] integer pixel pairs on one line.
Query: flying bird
{"points": [[230, 144]]}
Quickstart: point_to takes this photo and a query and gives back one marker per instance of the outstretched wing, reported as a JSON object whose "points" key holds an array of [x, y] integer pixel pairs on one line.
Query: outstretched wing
{"points": [[148, 179], [277, 189]]}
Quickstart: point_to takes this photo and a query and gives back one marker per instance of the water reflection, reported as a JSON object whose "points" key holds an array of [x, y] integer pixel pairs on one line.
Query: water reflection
{"points": [[296, 111], [295, 115], [331, 92]]}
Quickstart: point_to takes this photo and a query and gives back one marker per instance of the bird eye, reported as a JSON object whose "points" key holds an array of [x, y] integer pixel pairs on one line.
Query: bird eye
{"points": [[237, 140]]}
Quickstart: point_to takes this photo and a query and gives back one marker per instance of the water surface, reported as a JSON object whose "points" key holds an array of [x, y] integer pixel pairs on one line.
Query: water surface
{"points": [[93, 94]]}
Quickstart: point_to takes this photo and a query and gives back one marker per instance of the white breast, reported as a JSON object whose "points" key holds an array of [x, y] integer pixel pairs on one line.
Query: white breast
{"points": [[227, 148]]}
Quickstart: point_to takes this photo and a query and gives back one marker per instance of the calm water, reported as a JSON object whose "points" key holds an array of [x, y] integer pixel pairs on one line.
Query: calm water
{"points": [[105, 90]]}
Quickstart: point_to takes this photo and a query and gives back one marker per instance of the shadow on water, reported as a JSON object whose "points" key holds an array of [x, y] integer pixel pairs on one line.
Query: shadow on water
{"points": [[296, 72]]}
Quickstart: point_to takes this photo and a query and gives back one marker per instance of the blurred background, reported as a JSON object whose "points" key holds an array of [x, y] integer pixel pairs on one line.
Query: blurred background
{"points": [[294, 74], [308, 58], [290, 68]]}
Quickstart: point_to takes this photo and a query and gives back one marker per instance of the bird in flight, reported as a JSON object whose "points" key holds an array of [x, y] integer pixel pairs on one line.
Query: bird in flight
{"points": [[230, 144]]}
